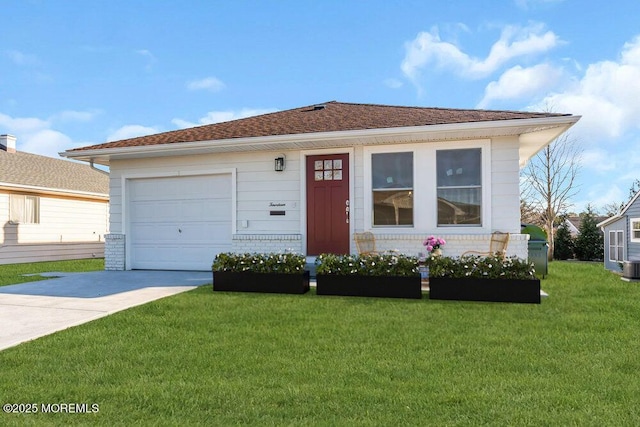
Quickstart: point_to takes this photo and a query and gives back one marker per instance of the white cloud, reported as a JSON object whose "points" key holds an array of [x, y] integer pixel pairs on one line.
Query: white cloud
{"points": [[211, 84], [131, 131], [607, 95], [519, 82], [20, 58], [608, 172], [598, 160], [21, 125], [35, 135], [46, 142], [222, 116], [602, 194], [427, 49]]}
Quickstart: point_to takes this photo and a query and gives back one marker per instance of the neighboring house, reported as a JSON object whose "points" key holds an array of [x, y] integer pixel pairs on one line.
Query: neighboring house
{"points": [[575, 222], [50, 209], [622, 235], [307, 179]]}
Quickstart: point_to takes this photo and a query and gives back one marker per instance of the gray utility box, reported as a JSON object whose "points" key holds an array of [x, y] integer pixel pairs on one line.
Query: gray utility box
{"points": [[538, 251], [631, 270]]}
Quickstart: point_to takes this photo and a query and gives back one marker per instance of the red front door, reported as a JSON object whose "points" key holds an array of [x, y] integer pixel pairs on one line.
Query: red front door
{"points": [[328, 204]]}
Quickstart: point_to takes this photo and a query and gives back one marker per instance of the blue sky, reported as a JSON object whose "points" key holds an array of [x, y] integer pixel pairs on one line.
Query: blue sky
{"points": [[75, 73]]}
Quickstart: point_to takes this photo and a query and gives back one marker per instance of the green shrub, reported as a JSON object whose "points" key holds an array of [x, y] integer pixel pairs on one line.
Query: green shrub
{"points": [[367, 265], [286, 263], [491, 267]]}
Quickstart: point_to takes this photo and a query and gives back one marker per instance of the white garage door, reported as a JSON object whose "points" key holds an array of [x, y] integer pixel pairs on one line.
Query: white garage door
{"points": [[179, 223]]}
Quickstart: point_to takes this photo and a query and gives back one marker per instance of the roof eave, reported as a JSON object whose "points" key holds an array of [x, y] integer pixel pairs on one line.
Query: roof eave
{"points": [[608, 221], [539, 132], [53, 191]]}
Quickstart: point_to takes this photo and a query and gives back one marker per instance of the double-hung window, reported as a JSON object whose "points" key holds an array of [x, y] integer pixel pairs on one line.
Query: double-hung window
{"points": [[24, 209], [392, 187], [634, 224], [459, 187], [616, 245], [459, 182]]}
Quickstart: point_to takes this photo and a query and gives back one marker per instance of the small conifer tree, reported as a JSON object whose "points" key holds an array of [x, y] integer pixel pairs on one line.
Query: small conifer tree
{"points": [[564, 241], [590, 242]]}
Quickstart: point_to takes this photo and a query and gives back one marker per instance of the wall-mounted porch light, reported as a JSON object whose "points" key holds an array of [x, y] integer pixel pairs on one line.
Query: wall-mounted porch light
{"points": [[279, 165]]}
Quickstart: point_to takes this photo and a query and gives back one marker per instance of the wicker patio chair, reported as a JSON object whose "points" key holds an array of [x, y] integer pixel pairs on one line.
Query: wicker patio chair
{"points": [[497, 246], [365, 242]]}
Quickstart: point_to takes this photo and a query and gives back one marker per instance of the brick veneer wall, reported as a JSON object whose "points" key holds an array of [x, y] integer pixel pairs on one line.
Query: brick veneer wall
{"points": [[456, 245], [410, 244], [114, 256], [265, 243]]}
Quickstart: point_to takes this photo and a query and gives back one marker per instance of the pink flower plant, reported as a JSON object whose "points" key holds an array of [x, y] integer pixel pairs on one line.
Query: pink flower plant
{"points": [[432, 243]]}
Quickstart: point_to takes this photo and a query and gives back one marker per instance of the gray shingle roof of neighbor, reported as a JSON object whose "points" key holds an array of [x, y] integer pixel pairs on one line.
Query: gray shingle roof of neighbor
{"points": [[33, 170], [331, 116]]}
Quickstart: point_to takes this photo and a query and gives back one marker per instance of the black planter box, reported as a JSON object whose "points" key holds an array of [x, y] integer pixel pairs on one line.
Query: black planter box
{"points": [[494, 290], [279, 283], [369, 286]]}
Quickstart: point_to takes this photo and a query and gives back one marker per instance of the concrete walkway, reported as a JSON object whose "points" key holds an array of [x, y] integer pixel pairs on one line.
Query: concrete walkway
{"points": [[32, 310]]}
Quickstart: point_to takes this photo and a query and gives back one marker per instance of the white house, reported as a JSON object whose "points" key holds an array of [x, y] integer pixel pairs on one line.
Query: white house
{"points": [[50, 209], [307, 179]]}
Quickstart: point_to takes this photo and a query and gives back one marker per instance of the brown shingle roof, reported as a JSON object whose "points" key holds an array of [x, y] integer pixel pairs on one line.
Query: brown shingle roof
{"points": [[329, 117], [28, 169]]}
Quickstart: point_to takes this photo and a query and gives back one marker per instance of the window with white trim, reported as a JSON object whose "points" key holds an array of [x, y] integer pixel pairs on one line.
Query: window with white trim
{"points": [[24, 209], [634, 225], [616, 245], [459, 187], [392, 187]]}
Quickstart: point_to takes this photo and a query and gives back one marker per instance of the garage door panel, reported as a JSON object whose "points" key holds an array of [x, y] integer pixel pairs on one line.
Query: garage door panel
{"points": [[155, 211], [209, 232], [196, 210], [179, 223], [151, 189], [190, 258], [154, 233]]}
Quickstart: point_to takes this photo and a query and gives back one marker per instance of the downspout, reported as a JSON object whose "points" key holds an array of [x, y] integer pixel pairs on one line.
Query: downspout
{"points": [[91, 164]]}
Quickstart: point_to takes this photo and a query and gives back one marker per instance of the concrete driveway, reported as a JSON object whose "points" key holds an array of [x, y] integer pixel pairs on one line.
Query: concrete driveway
{"points": [[32, 310]]}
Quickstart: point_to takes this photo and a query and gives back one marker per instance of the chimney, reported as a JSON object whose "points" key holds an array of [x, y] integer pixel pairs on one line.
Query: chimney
{"points": [[8, 143]]}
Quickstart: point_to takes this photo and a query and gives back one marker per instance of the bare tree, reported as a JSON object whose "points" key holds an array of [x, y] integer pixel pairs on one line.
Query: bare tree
{"points": [[611, 209], [529, 214], [549, 181], [614, 208], [635, 187]]}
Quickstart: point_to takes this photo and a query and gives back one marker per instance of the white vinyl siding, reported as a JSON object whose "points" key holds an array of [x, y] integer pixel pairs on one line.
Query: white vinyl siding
{"points": [[64, 220], [68, 228], [504, 190]]}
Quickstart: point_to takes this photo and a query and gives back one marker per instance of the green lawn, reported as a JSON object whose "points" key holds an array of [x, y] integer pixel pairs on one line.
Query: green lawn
{"points": [[15, 273], [264, 359]]}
